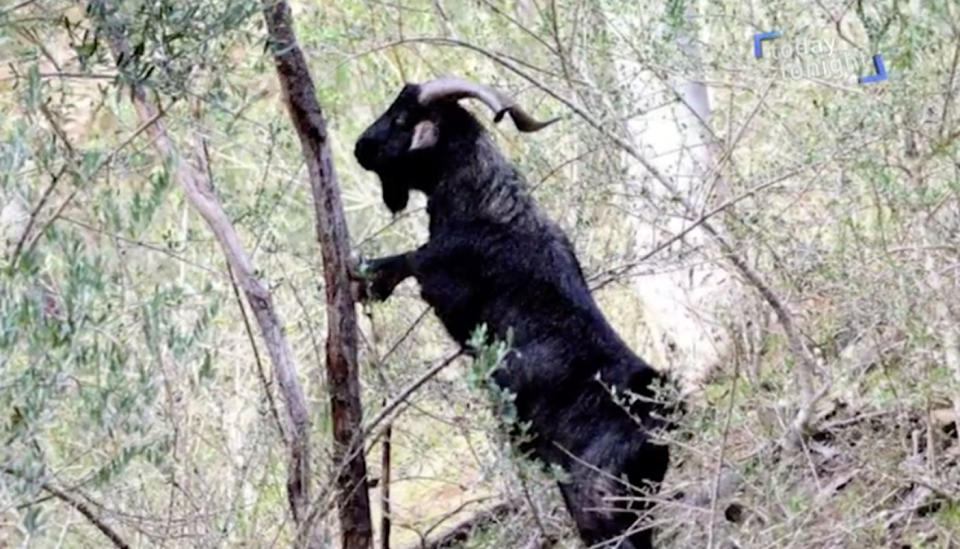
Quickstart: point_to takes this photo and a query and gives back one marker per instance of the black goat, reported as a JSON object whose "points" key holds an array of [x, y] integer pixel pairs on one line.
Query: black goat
{"points": [[493, 257]]}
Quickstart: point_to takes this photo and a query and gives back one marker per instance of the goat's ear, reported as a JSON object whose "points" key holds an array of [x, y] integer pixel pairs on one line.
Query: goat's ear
{"points": [[425, 135]]}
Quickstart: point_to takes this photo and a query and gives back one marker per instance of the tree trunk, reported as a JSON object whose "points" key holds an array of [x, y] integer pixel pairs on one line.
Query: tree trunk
{"points": [[688, 305], [341, 350]]}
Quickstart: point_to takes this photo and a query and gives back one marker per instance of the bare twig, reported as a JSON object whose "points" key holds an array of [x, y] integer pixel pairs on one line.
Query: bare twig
{"points": [[371, 432], [459, 532], [268, 393], [413, 326], [69, 166], [55, 179], [386, 442], [385, 488], [144, 245], [402, 397], [524, 486], [950, 93], [715, 490], [613, 274]]}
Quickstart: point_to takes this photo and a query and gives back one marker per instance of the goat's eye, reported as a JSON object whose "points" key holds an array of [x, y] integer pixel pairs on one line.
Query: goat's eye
{"points": [[400, 121]]}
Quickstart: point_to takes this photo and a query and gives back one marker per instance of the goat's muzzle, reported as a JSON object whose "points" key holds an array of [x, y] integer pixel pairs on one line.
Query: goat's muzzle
{"points": [[366, 151]]}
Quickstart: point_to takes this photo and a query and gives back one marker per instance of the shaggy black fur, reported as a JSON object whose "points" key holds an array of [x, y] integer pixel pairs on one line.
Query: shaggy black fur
{"points": [[493, 257]]}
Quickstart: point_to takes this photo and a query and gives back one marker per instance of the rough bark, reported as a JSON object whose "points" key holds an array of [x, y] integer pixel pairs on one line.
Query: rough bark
{"points": [[341, 350], [202, 198]]}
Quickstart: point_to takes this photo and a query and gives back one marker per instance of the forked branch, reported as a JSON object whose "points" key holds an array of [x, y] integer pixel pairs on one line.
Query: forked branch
{"points": [[197, 187]]}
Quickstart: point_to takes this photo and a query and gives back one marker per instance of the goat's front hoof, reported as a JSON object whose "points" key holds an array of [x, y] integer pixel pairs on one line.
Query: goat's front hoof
{"points": [[379, 288], [371, 281], [358, 289], [358, 277]]}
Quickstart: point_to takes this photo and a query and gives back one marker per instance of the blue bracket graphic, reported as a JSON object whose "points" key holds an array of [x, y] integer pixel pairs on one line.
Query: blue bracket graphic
{"points": [[761, 36], [878, 66]]}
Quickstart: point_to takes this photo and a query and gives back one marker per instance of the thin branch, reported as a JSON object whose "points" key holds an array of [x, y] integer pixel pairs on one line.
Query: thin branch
{"points": [[78, 75], [613, 274], [409, 390], [80, 506], [256, 356], [385, 473], [16, 7], [413, 326], [371, 432], [66, 202], [715, 489], [525, 487], [948, 100], [34, 213], [460, 532], [387, 443], [142, 244]]}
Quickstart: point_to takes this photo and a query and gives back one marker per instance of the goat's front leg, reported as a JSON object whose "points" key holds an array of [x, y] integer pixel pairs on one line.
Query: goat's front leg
{"points": [[378, 277]]}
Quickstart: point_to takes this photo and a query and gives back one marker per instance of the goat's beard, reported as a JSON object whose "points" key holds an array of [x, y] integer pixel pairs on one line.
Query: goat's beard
{"points": [[398, 178], [395, 195]]}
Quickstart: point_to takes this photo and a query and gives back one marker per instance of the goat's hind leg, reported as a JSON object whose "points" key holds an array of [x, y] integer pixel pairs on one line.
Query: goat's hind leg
{"points": [[603, 517]]}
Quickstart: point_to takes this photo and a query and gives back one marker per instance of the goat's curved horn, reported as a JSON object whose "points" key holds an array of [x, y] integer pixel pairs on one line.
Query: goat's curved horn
{"points": [[453, 88]]}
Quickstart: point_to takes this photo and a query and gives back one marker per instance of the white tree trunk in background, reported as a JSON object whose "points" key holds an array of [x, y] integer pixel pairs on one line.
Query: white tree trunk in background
{"points": [[690, 299], [14, 218]]}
